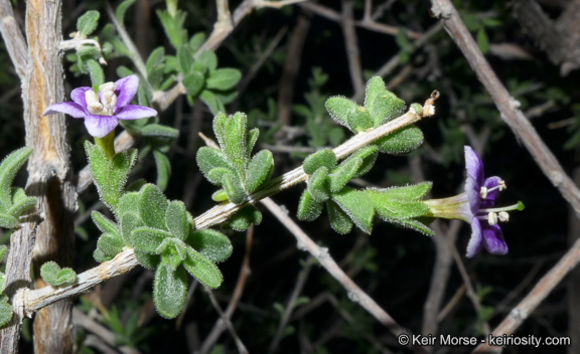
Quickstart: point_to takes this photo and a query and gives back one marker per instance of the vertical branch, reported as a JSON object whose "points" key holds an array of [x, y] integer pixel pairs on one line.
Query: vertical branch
{"points": [[351, 45], [574, 279], [48, 180], [48, 167]]}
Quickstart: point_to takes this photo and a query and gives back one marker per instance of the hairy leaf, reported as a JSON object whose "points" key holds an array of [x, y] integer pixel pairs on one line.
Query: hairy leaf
{"points": [[223, 79], [169, 290], [339, 220], [347, 170], [358, 206], [8, 169], [340, 108], [176, 220], [152, 206], [110, 244], [202, 269], [56, 276], [325, 157], [318, 185], [209, 158], [87, 22], [147, 239], [259, 170], [245, 217], [402, 141], [308, 208], [211, 244]]}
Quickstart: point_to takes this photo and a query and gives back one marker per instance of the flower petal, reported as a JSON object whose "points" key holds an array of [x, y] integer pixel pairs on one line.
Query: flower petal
{"points": [[70, 108], [493, 239], [489, 183], [475, 242], [132, 111], [99, 126], [474, 180], [78, 96], [125, 89]]}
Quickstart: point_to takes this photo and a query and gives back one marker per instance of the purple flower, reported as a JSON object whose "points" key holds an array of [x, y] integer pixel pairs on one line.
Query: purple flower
{"points": [[476, 206], [481, 193], [102, 112]]}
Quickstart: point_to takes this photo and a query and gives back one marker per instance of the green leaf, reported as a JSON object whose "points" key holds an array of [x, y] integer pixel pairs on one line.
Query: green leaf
{"points": [[169, 290], [410, 192], [245, 217], [340, 108], [122, 8], [172, 251], [212, 102], [358, 206], [129, 221], [152, 206], [96, 72], [8, 221], [148, 239], [252, 137], [196, 41], [110, 175], [482, 40], [382, 104], [219, 196], [360, 120], [56, 276], [3, 249], [21, 206], [211, 244], [185, 58], [368, 155], [389, 209], [8, 169], [193, 82], [159, 131], [202, 269], [206, 61], [88, 21], [147, 260], [318, 185], [339, 220], [231, 133], [163, 167], [325, 157], [176, 220], [208, 159], [223, 79], [100, 256], [110, 244], [233, 187], [129, 202], [173, 27], [155, 60], [104, 224], [5, 311], [308, 208], [414, 225], [259, 170], [401, 141], [347, 170]]}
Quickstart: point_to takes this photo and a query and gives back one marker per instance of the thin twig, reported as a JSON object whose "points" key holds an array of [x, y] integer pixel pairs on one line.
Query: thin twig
{"points": [[355, 293], [351, 46], [298, 287], [239, 344], [13, 39], [219, 326]]}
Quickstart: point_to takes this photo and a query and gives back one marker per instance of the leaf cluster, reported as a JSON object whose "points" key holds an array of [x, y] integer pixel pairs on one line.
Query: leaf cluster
{"points": [[380, 106], [232, 167]]}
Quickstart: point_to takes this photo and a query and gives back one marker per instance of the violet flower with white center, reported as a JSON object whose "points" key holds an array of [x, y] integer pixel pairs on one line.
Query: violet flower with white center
{"points": [[102, 112], [476, 206]]}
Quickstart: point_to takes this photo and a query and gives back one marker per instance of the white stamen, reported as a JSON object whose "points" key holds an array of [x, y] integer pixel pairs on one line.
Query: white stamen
{"points": [[492, 218], [502, 186], [483, 192], [108, 97], [503, 216], [94, 106]]}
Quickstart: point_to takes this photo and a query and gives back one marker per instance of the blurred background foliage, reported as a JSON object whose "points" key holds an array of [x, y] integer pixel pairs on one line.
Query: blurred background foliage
{"points": [[291, 59]]}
